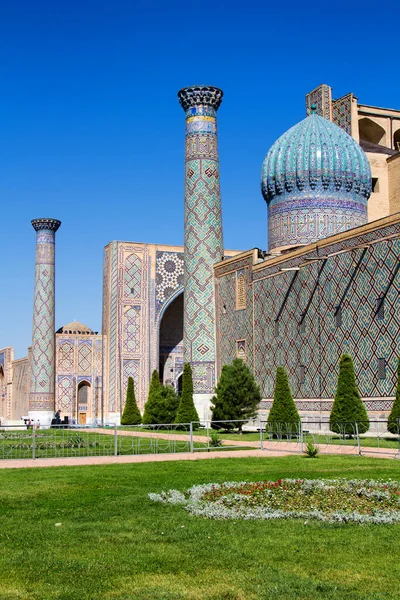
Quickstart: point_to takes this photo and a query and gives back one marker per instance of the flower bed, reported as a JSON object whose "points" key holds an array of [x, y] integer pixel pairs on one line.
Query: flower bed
{"points": [[333, 501]]}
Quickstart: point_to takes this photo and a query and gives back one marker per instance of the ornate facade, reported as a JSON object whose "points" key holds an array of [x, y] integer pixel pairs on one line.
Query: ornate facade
{"points": [[299, 307], [307, 307]]}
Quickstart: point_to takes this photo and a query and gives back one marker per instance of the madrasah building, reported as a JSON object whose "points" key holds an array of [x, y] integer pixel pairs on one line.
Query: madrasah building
{"points": [[327, 285]]}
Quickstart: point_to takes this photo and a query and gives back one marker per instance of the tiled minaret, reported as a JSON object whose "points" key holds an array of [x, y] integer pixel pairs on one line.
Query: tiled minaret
{"points": [[203, 236], [41, 399]]}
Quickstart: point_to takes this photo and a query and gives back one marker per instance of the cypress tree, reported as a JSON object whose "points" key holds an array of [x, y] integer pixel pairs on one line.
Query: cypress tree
{"points": [[283, 415], [152, 398], [348, 408], [394, 417], [237, 396], [187, 412], [131, 414], [162, 406]]}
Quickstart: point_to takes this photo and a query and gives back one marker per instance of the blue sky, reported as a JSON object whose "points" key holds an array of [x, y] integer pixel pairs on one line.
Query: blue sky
{"points": [[92, 132]]}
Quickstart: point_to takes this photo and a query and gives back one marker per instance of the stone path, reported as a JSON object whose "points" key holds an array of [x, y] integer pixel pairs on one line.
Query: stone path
{"points": [[270, 450]]}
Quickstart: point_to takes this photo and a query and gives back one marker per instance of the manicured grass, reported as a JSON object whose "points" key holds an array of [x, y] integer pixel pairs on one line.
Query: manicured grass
{"points": [[48, 443], [114, 544]]}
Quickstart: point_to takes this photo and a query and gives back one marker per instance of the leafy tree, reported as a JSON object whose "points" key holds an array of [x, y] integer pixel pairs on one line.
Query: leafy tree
{"points": [[283, 416], [187, 412], [348, 408], [237, 396], [394, 417], [162, 406], [131, 414]]}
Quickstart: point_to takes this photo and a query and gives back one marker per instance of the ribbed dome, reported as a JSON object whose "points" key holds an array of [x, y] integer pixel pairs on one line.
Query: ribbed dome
{"points": [[75, 327], [316, 181]]}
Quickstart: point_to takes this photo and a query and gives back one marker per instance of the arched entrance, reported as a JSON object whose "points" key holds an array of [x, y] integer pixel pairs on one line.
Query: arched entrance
{"points": [[396, 140], [178, 384], [371, 132], [171, 341], [83, 401]]}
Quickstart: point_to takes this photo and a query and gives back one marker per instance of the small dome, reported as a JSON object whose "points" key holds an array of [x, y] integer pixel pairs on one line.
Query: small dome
{"points": [[316, 181], [75, 327]]}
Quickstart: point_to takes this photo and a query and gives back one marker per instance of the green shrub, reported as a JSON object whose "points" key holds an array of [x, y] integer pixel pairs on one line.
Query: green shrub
{"points": [[187, 412], [348, 408], [131, 414], [215, 441], [283, 416], [311, 451], [237, 396], [394, 417], [162, 406]]}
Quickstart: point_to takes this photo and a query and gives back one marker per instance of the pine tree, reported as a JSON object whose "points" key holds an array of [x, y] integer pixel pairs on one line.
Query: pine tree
{"points": [[348, 408], [187, 412], [394, 417], [131, 414], [162, 406], [283, 416], [237, 396]]}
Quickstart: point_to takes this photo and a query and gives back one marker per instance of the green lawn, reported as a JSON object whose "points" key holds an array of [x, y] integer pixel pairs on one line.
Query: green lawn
{"points": [[113, 544], [48, 443]]}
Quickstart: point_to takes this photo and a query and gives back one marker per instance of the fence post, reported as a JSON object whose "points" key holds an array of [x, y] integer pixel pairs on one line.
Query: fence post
{"points": [[191, 437], [261, 436], [301, 438], [358, 439], [33, 441], [115, 440]]}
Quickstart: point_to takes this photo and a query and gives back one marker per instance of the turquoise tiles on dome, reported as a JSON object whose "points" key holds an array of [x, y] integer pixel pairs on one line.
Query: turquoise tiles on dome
{"points": [[316, 181]]}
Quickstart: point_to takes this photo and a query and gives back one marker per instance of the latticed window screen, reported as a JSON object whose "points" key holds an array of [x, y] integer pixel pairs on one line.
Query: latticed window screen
{"points": [[380, 309], [302, 326], [302, 373], [381, 368], [240, 290], [338, 317]]}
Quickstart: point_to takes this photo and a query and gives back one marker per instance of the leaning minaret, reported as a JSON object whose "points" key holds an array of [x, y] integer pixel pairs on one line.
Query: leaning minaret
{"points": [[41, 399], [203, 236]]}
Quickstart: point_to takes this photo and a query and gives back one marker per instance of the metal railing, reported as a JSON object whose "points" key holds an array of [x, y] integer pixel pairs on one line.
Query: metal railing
{"points": [[23, 442]]}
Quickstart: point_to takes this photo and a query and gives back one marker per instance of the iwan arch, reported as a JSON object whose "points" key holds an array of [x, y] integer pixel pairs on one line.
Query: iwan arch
{"points": [[332, 264]]}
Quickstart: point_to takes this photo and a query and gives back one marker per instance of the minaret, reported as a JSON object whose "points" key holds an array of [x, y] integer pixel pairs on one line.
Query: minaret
{"points": [[203, 236], [41, 399]]}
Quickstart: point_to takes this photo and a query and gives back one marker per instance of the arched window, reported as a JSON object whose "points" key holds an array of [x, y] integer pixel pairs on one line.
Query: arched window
{"points": [[396, 140], [371, 132]]}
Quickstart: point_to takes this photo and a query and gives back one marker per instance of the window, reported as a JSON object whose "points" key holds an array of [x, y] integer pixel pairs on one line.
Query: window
{"points": [[380, 309], [338, 316], [241, 350], [302, 374], [381, 368], [375, 184]]}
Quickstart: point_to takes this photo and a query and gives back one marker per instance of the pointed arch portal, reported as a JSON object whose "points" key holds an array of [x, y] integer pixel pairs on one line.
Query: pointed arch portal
{"points": [[170, 341]]}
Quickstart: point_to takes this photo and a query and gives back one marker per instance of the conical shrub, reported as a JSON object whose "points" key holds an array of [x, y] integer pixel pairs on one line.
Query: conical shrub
{"points": [[348, 408], [283, 416], [394, 417], [187, 412], [131, 414]]}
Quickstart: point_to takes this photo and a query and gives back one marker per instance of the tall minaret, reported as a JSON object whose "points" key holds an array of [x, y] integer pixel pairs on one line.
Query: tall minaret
{"points": [[41, 398], [203, 236]]}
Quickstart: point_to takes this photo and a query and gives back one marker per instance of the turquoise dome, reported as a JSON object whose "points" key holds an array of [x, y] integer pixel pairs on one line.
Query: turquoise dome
{"points": [[316, 181]]}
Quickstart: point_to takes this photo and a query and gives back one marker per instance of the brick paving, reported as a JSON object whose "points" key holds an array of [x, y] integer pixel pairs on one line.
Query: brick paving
{"points": [[270, 450]]}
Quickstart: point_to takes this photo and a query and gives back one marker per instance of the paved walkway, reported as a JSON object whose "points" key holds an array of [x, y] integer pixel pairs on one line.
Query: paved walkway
{"points": [[270, 450]]}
